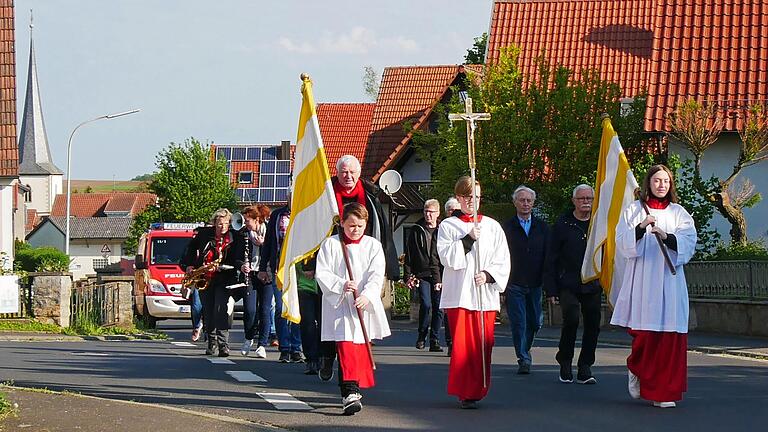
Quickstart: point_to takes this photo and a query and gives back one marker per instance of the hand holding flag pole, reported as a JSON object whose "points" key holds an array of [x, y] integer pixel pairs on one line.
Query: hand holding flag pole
{"points": [[471, 117], [663, 247]]}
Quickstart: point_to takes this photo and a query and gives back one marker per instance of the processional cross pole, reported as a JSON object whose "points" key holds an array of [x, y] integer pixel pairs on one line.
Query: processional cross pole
{"points": [[471, 118]]}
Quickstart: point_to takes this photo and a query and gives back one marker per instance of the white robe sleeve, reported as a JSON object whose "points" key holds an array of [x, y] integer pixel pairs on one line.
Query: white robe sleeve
{"points": [[685, 233], [626, 243], [450, 247], [499, 263], [374, 274], [328, 263]]}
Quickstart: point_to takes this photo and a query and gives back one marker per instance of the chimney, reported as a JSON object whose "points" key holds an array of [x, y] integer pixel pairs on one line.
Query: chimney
{"points": [[285, 150]]}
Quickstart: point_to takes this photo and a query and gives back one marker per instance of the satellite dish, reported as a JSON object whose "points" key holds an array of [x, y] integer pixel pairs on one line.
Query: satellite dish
{"points": [[390, 181]]}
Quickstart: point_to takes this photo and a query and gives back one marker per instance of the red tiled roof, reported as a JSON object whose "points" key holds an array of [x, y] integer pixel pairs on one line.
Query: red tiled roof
{"points": [[715, 51], [613, 36], [406, 94], [9, 149], [95, 204], [344, 128], [32, 220], [237, 167]]}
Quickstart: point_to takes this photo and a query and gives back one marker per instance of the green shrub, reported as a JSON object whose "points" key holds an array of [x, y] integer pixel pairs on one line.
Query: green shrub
{"points": [[42, 259], [754, 250]]}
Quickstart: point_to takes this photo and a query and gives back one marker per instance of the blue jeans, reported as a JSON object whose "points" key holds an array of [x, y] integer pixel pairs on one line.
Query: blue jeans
{"points": [[430, 314], [288, 333], [525, 318], [257, 301], [196, 308]]}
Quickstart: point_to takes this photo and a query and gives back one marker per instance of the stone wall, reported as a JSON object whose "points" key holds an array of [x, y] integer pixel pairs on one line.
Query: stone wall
{"points": [[51, 297], [124, 285]]}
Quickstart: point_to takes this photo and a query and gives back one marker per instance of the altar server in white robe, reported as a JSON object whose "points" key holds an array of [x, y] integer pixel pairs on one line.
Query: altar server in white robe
{"points": [[457, 243], [340, 322], [653, 303]]}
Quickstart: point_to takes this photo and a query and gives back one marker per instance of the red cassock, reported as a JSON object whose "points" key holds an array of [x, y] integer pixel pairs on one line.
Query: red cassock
{"points": [[355, 363], [659, 359], [465, 374]]}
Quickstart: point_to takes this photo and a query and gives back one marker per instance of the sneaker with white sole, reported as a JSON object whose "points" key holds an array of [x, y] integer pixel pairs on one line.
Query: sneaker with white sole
{"points": [[351, 404], [246, 348], [260, 352], [664, 404], [633, 385]]}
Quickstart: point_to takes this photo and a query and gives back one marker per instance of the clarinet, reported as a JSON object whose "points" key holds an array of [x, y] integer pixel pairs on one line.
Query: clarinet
{"points": [[246, 276]]}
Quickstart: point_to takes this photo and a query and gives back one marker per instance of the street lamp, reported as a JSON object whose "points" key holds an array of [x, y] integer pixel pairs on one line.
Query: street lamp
{"points": [[69, 167]]}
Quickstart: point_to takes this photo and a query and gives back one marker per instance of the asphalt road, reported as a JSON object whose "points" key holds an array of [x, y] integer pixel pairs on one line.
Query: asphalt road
{"points": [[725, 393]]}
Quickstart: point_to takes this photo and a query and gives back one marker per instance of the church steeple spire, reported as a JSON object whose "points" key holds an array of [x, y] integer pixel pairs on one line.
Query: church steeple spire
{"points": [[34, 152]]}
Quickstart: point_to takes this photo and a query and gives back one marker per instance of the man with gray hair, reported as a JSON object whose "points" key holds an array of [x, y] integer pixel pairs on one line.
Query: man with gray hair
{"points": [[562, 279], [527, 238], [422, 272]]}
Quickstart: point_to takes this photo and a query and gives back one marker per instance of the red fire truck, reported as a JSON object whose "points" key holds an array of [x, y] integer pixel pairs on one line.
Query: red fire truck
{"points": [[157, 285]]}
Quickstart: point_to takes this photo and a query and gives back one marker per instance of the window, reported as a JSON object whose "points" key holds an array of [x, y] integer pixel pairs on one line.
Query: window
{"points": [[168, 250], [245, 177], [100, 263]]}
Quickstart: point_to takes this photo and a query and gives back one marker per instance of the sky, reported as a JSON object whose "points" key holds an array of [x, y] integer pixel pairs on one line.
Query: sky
{"points": [[223, 71]]}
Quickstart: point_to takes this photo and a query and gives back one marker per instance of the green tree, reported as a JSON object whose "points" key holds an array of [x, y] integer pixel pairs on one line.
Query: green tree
{"points": [[371, 82], [544, 132], [144, 177], [190, 185], [476, 54]]}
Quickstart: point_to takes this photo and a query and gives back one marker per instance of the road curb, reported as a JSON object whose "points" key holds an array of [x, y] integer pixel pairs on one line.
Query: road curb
{"points": [[210, 416], [53, 337]]}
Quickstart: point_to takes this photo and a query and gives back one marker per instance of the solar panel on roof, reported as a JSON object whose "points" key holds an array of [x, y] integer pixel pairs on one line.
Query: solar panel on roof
{"points": [[224, 153], [267, 181], [281, 195], [253, 154], [267, 195], [238, 154], [268, 167], [283, 181], [269, 153], [283, 167]]}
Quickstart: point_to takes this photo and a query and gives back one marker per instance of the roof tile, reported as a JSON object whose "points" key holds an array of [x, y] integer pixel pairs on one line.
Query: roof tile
{"points": [[344, 128], [9, 150], [96, 204]]}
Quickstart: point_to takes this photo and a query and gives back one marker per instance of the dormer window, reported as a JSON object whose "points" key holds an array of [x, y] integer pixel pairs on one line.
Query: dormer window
{"points": [[245, 177]]}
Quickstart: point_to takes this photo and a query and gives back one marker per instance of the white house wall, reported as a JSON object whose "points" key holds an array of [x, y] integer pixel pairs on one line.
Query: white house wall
{"points": [[719, 160], [6, 218], [84, 252], [416, 169], [44, 191]]}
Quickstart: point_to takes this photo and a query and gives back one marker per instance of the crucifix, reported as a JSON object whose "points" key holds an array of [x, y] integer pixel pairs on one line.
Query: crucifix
{"points": [[471, 118]]}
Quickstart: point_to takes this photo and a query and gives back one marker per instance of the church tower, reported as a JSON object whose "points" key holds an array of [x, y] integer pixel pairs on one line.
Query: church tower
{"points": [[36, 168]]}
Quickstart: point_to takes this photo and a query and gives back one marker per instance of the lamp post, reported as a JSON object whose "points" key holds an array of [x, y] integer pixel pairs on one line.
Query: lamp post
{"points": [[69, 167]]}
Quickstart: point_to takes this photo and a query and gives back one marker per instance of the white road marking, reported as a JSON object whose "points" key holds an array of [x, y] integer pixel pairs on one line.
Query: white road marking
{"points": [[90, 354], [245, 376], [183, 344], [284, 401], [220, 361]]}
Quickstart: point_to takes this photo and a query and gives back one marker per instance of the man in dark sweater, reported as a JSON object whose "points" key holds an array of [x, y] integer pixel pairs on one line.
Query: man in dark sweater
{"points": [[422, 272], [527, 238], [562, 279]]}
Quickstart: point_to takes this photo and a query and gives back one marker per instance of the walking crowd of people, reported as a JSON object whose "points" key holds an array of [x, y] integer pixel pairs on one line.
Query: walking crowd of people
{"points": [[460, 266]]}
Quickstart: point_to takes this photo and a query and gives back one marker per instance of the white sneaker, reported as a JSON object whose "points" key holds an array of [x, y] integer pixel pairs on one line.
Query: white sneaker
{"points": [[246, 348], [351, 404], [664, 404], [261, 352], [633, 385]]}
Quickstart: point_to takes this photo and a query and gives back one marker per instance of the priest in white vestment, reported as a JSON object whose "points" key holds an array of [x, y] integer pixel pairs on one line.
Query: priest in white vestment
{"points": [[653, 303], [469, 291]]}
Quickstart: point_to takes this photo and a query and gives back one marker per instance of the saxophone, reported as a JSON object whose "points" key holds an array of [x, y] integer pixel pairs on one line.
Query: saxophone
{"points": [[198, 278]]}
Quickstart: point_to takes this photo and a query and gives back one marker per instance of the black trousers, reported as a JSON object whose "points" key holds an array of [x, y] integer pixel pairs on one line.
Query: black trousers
{"points": [[573, 305], [310, 307], [215, 316]]}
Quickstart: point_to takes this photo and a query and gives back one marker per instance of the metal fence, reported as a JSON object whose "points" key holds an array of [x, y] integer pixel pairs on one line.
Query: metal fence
{"points": [[94, 303], [25, 301], [737, 280]]}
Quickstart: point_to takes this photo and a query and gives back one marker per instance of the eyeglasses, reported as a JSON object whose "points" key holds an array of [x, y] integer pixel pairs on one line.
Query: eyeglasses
{"points": [[587, 199]]}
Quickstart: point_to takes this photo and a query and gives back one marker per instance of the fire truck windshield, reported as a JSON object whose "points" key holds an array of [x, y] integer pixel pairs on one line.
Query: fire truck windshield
{"points": [[168, 250]]}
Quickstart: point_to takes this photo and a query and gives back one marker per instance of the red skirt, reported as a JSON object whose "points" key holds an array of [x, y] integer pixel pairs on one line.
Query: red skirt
{"points": [[355, 363], [465, 374], [660, 361]]}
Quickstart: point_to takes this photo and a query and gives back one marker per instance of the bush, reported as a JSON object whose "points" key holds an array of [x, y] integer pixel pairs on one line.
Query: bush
{"points": [[42, 259], [754, 250]]}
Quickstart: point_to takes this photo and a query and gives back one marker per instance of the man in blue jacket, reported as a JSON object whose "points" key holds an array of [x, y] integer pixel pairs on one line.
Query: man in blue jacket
{"points": [[527, 238]]}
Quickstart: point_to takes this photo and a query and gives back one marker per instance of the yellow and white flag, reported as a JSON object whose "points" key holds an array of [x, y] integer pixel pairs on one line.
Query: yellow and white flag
{"points": [[614, 192], [313, 203]]}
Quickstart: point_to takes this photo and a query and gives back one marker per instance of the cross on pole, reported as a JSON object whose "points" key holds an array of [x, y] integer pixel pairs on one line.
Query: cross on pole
{"points": [[471, 118]]}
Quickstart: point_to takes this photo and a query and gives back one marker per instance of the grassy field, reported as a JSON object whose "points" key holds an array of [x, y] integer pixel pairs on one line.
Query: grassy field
{"points": [[105, 186]]}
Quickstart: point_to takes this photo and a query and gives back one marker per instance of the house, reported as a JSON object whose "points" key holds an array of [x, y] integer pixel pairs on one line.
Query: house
{"points": [[260, 173], [345, 128], [113, 204], [12, 213], [715, 51], [95, 242]]}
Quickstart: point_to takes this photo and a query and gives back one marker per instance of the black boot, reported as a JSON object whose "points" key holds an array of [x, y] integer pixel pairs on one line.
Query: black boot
{"points": [[211, 350]]}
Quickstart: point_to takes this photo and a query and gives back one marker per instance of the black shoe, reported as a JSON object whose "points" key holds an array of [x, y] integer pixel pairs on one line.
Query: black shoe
{"points": [[435, 347], [223, 351], [450, 348], [285, 357], [566, 375], [326, 368], [468, 404], [211, 350], [524, 369], [311, 367], [296, 357], [420, 344], [585, 376]]}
